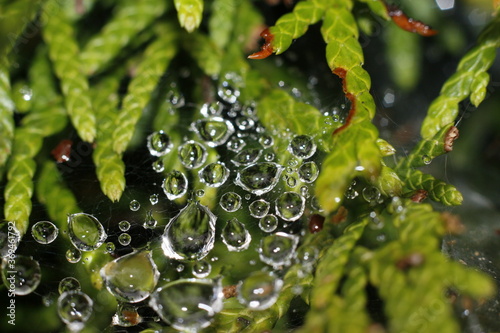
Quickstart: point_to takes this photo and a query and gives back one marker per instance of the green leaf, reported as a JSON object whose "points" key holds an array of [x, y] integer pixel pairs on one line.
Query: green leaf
{"points": [[478, 88], [129, 19], [6, 115], [189, 13], [221, 23], [378, 7], [204, 51]]}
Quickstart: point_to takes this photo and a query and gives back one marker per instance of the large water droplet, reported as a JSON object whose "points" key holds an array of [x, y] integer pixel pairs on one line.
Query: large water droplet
{"points": [[302, 146], [21, 275], [290, 206], [214, 131], [259, 291], [192, 154], [308, 172], [236, 236], [259, 208], [259, 178], [175, 185], [268, 223], [159, 143], [214, 174], [277, 250], [230, 201], [9, 239], [68, 284], [188, 305], [85, 232], [190, 234], [247, 156], [74, 309], [44, 232], [131, 278]]}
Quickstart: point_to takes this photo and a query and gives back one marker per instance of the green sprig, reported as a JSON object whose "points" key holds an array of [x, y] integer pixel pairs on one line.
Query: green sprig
{"points": [[189, 13]]}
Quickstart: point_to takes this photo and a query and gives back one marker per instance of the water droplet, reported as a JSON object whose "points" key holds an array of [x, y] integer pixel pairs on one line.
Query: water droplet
{"points": [[244, 123], [214, 174], [302, 146], [179, 268], [259, 208], [201, 269], [228, 88], [290, 206], [306, 255], [69, 284], [126, 316], [188, 304], [199, 193], [175, 185], [110, 247], [266, 141], [214, 131], [247, 156], [175, 97], [134, 205], [236, 236], [159, 143], [268, 223], [149, 221], [44, 232], [124, 225], [153, 198], [371, 194], [192, 154], [21, 274], [259, 178], [190, 234], [158, 166], [74, 309], [291, 181], [351, 193], [269, 157], [308, 172], [426, 159], [230, 201], [236, 144], [277, 250], [131, 278], [211, 109], [85, 232], [259, 291], [9, 239], [73, 255], [124, 239]]}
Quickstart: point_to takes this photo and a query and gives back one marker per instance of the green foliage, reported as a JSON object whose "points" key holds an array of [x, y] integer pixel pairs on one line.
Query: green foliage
{"points": [[189, 13]]}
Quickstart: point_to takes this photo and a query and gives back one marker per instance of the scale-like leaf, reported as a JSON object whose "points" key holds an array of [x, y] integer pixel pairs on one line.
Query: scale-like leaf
{"points": [[189, 13]]}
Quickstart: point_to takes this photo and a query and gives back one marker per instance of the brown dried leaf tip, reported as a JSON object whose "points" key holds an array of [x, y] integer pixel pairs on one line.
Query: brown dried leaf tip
{"points": [[316, 222], [62, 152], [452, 223], [407, 23], [229, 291], [450, 137], [419, 196], [266, 49], [342, 73], [411, 260]]}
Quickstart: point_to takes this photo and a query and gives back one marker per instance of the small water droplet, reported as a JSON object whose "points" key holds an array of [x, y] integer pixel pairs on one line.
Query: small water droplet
{"points": [[131, 278], [259, 291], [278, 249], [291, 181], [124, 225], [86, 233], [236, 144], [306, 255], [68, 284], [269, 157], [244, 123], [124, 239], [266, 141], [158, 166], [214, 174], [175, 185], [213, 131], [302, 146], [110, 247], [22, 274], [246, 156], [188, 305], [201, 269], [153, 198], [230, 201], [211, 109], [268, 223], [44, 232], [190, 235], [175, 97], [74, 309], [199, 193], [228, 88], [371, 194], [159, 143], [179, 268], [134, 205], [236, 236], [259, 178], [126, 316], [259, 208], [149, 222], [308, 172], [290, 206], [73, 255], [192, 154], [426, 159]]}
